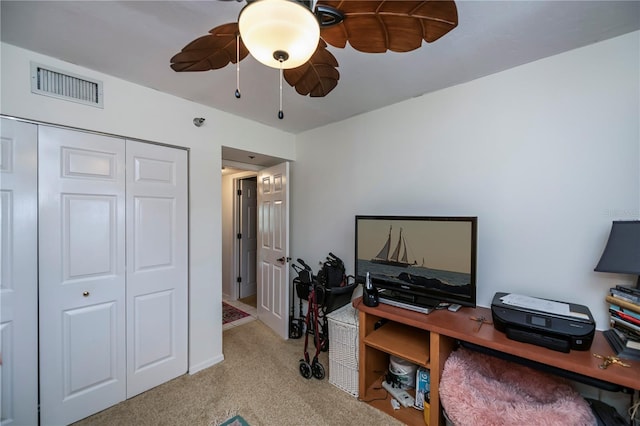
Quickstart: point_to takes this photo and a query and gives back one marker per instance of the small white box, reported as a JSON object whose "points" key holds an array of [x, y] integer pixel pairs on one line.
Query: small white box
{"points": [[423, 387]]}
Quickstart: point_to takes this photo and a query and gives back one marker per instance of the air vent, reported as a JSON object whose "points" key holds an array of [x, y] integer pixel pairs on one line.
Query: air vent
{"points": [[52, 82]]}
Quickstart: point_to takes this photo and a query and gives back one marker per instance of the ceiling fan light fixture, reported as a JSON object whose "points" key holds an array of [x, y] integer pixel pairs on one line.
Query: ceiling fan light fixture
{"points": [[269, 28]]}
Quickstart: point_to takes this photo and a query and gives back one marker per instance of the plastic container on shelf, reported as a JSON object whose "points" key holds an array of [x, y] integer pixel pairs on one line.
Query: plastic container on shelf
{"points": [[403, 372]]}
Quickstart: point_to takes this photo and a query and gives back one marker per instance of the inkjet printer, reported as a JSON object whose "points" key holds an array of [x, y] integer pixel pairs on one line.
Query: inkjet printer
{"points": [[554, 325]]}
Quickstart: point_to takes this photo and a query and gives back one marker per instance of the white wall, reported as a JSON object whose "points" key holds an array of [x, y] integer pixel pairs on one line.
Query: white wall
{"points": [[546, 155], [134, 111]]}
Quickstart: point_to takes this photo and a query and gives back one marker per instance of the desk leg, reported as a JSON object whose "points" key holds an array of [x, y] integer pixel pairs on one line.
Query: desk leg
{"points": [[370, 359], [441, 347]]}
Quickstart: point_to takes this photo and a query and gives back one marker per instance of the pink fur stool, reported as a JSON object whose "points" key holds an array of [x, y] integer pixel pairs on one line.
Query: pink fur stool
{"points": [[478, 389]]}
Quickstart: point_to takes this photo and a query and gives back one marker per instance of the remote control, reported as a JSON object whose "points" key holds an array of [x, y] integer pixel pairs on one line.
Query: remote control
{"points": [[454, 307], [400, 395]]}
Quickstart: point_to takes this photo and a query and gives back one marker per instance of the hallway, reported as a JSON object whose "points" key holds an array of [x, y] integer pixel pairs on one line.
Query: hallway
{"points": [[243, 305]]}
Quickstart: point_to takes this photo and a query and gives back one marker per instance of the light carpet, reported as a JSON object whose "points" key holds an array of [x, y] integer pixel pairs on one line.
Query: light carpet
{"points": [[258, 379]]}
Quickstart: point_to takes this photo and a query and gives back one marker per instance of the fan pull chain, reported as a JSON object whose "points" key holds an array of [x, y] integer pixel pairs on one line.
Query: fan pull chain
{"points": [[238, 66], [280, 113]]}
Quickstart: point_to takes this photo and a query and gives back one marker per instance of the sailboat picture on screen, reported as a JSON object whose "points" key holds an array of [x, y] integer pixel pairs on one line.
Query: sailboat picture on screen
{"points": [[418, 260]]}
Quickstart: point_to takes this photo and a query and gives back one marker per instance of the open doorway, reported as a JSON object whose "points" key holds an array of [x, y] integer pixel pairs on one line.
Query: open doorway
{"points": [[246, 225], [239, 226]]}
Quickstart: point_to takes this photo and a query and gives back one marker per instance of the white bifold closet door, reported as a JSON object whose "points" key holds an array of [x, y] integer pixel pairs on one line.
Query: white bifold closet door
{"points": [[96, 253], [157, 272], [18, 273], [82, 276]]}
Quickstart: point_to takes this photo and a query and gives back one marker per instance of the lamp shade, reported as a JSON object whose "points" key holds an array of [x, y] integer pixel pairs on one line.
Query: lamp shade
{"points": [[272, 29], [622, 252]]}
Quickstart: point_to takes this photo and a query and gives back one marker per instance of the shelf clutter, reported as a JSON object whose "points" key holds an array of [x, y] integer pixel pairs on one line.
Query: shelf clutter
{"points": [[624, 314]]}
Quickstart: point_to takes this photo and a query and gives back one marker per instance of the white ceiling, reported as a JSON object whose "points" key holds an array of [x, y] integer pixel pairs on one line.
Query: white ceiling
{"points": [[134, 40]]}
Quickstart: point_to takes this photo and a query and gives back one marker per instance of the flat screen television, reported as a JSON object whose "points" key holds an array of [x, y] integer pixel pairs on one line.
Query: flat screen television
{"points": [[423, 260]]}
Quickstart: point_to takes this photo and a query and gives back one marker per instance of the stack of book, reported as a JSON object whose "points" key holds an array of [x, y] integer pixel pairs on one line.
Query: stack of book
{"points": [[624, 311]]}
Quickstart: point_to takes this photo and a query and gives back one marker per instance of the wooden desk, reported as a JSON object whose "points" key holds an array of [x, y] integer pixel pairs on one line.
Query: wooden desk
{"points": [[443, 330]]}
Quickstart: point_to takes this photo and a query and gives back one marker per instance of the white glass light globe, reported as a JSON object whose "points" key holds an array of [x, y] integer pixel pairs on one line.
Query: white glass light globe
{"points": [[270, 26]]}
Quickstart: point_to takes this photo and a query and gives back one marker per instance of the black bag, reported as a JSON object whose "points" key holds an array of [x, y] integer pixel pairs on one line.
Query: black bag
{"points": [[605, 414], [334, 288], [332, 273]]}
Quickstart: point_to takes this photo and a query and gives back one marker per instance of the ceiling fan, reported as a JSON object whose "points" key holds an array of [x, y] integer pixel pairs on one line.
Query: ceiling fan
{"points": [[292, 35]]}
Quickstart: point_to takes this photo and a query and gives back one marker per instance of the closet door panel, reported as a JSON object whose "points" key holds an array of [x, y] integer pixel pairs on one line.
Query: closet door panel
{"points": [[157, 277], [89, 332], [18, 273], [89, 255], [82, 273], [153, 224]]}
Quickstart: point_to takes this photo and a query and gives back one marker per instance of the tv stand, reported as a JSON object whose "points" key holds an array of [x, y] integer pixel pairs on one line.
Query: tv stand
{"points": [[427, 340]]}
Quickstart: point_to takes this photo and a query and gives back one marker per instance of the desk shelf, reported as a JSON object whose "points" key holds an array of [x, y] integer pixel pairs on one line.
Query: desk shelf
{"points": [[379, 398], [406, 340], [402, 341], [428, 340]]}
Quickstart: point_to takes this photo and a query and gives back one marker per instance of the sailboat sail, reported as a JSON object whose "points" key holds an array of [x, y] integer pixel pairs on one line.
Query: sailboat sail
{"points": [[394, 259], [404, 258], [384, 253], [396, 252]]}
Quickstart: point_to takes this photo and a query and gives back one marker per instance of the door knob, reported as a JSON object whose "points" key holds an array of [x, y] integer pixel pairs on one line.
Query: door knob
{"points": [[281, 260], [85, 293]]}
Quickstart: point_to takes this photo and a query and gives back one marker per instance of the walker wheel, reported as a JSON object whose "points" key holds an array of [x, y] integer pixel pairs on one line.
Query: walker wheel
{"points": [[318, 370], [305, 369], [295, 331]]}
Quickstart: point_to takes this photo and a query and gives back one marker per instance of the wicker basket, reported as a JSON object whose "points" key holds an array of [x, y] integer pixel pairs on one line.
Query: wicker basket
{"points": [[343, 349]]}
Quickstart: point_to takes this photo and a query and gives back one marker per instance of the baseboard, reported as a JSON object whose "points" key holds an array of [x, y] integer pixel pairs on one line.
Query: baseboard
{"points": [[193, 369]]}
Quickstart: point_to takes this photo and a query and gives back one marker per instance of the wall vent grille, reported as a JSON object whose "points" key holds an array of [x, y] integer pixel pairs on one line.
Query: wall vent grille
{"points": [[52, 82]]}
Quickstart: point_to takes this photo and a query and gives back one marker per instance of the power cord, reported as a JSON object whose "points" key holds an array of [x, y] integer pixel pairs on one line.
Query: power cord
{"points": [[386, 395], [634, 410], [386, 392]]}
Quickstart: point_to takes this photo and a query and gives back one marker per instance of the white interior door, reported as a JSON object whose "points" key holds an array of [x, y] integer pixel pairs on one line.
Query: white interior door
{"points": [[248, 242], [18, 274], [273, 248], [157, 278], [82, 273]]}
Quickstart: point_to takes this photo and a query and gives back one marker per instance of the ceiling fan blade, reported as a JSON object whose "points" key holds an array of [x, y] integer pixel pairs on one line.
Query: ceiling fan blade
{"points": [[318, 76], [396, 25], [210, 52]]}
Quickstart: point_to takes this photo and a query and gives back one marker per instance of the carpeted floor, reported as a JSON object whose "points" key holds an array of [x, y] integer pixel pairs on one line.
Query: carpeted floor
{"points": [[259, 380]]}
